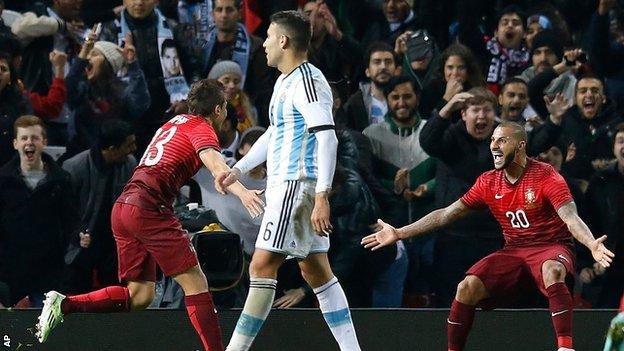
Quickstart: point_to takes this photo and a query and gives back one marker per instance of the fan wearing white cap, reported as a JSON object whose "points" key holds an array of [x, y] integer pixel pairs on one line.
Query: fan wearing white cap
{"points": [[230, 75], [100, 53], [95, 92]]}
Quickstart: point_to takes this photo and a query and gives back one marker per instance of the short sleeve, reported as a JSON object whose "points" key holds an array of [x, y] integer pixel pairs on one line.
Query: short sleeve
{"points": [[313, 99], [475, 197], [202, 137], [556, 190]]}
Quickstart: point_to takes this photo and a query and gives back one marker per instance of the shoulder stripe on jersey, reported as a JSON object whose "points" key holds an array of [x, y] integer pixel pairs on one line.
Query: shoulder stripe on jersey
{"points": [[305, 85], [321, 128], [308, 84], [306, 67]]}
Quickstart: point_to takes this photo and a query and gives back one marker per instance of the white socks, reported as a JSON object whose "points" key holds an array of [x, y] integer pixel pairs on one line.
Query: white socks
{"points": [[257, 308], [332, 301], [335, 308]]}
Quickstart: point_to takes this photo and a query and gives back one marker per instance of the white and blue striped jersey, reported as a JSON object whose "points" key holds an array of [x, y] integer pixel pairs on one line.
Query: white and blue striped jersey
{"points": [[301, 103]]}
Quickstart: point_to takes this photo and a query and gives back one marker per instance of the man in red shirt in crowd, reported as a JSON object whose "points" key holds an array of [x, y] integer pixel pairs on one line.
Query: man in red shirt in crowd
{"points": [[533, 206], [145, 228]]}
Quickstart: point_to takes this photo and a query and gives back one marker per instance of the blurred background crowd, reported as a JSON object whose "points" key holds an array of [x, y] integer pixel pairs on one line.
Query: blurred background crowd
{"points": [[556, 67]]}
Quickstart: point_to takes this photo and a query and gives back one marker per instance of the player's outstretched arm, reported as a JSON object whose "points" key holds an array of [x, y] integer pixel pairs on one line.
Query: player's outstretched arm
{"points": [[213, 160], [256, 155], [434, 220], [581, 232]]}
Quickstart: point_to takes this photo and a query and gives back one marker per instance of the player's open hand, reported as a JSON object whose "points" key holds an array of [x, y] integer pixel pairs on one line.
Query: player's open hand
{"points": [[225, 179], [320, 215], [601, 254], [291, 298], [384, 237], [252, 202]]}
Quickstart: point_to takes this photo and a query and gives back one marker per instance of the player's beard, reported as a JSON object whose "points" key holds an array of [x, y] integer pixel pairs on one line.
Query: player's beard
{"points": [[509, 159]]}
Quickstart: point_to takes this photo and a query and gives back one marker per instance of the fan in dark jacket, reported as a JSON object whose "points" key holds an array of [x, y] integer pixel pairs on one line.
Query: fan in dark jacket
{"points": [[98, 176], [590, 126], [37, 216], [464, 151], [605, 200]]}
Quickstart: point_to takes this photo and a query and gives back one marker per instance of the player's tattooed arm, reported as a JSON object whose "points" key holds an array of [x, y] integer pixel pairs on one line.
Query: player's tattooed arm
{"points": [[581, 232], [577, 227], [435, 220], [387, 234]]}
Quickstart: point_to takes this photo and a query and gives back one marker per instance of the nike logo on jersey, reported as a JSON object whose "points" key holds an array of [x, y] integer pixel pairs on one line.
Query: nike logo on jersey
{"points": [[563, 258], [554, 314], [453, 323], [498, 196]]}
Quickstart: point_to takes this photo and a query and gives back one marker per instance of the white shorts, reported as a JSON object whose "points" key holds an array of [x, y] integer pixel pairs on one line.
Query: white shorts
{"points": [[286, 227]]}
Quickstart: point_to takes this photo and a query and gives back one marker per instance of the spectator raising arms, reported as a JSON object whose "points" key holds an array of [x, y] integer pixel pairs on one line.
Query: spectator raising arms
{"points": [[96, 93]]}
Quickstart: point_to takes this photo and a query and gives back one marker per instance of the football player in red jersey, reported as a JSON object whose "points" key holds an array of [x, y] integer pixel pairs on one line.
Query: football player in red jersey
{"points": [[145, 228], [533, 206]]}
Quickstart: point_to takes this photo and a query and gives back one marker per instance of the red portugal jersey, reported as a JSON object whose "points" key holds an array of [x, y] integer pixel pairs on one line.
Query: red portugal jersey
{"points": [[171, 158], [526, 210]]}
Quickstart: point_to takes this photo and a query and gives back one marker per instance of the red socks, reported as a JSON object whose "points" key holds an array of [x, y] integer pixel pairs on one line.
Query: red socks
{"points": [[458, 325], [110, 299], [560, 303], [204, 318]]}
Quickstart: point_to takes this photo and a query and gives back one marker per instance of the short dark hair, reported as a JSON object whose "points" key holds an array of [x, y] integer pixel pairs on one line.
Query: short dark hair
{"points": [[204, 96], [480, 96], [297, 28], [514, 80], [394, 81], [588, 76], [10, 45], [512, 9], [166, 44], [619, 128], [114, 132], [237, 4], [519, 132], [26, 121], [378, 46], [250, 136]]}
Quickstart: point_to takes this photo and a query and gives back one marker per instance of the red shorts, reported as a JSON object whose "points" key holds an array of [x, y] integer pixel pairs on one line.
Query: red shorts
{"points": [[510, 271], [147, 237]]}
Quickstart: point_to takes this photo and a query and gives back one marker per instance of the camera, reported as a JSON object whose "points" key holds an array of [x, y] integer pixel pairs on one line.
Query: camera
{"points": [[419, 46]]}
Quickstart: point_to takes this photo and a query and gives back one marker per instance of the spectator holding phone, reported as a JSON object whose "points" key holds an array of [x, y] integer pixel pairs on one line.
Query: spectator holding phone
{"points": [[418, 52], [552, 71]]}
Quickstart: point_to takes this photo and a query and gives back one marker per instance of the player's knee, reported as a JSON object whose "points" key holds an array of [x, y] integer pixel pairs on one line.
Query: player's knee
{"points": [[262, 269], [142, 299], [553, 272], [470, 290]]}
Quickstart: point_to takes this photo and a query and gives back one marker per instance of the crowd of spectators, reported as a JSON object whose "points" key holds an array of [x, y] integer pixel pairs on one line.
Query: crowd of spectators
{"points": [[418, 86]]}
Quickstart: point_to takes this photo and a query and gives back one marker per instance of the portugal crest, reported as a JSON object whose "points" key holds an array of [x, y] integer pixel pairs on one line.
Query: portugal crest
{"points": [[529, 198]]}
